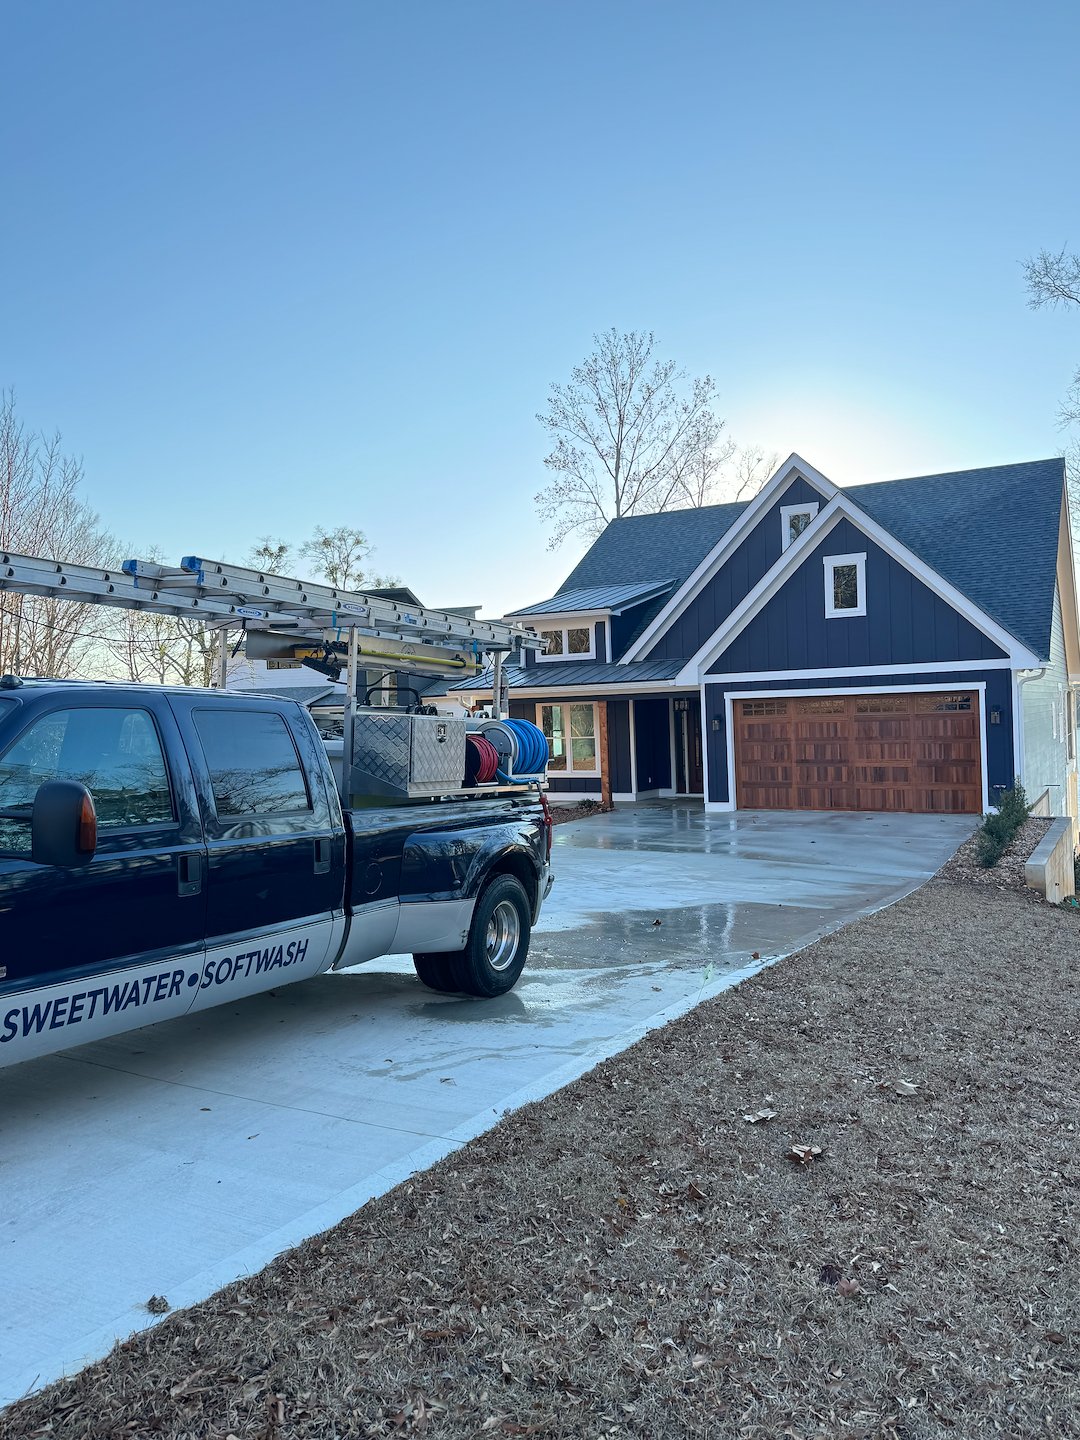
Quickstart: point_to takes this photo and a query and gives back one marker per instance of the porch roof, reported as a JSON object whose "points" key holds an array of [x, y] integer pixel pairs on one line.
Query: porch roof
{"points": [[575, 674]]}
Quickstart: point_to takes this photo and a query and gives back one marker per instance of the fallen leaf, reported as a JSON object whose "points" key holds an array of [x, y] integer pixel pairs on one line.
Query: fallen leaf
{"points": [[447, 1080], [804, 1154], [830, 1273], [755, 955], [760, 1115], [657, 922], [905, 1087], [157, 1305], [848, 1288]]}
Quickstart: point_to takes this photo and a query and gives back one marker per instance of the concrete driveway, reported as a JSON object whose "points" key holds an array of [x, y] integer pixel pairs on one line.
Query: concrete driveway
{"points": [[174, 1159]]}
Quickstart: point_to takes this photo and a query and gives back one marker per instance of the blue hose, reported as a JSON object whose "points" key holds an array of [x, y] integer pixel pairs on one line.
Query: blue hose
{"points": [[532, 747]]}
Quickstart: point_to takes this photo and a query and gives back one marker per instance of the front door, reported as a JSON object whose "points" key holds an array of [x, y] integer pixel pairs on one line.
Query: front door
{"points": [[689, 770]]}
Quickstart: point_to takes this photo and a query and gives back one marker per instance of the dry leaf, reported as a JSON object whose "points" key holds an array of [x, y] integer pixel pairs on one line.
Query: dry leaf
{"points": [[760, 1115], [848, 1289], [157, 1305], [804, 1154], [905, 1087]]}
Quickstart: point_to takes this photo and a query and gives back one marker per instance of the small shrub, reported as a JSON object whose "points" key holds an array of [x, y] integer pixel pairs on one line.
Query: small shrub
{"points": [[997, 830]]}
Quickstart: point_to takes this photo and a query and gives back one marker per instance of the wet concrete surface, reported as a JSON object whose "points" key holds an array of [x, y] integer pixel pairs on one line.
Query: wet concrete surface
{"points": [[174, 1159]]}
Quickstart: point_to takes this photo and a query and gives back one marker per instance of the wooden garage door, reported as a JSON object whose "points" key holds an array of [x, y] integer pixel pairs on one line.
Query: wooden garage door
{"points": [[860, 752]]}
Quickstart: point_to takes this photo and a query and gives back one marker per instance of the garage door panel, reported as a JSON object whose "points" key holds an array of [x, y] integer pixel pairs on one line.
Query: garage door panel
{"points": [[914, 752]]}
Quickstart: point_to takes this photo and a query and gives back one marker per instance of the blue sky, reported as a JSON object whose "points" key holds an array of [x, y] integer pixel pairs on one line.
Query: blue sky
{"points": [[276, 265]]}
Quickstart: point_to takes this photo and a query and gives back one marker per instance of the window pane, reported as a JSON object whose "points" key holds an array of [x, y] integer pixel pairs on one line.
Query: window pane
{"points": [[584, 754], [551, 722], [798, 523], [579, 642], [582, 720], [116, 754], [254, 767], [845, 587], [552, 641]]}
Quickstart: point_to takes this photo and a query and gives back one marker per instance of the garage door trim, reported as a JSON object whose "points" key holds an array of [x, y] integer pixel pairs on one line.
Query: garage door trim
{"points": [[947, 682]]}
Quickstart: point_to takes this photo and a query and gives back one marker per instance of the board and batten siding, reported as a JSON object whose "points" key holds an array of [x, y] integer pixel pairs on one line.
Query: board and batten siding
{"points": [[999, 734], [905, 622], [1045, 705], [748, 562]]}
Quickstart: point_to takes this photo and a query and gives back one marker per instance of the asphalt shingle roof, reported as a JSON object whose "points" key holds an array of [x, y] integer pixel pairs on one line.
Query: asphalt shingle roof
{"points": [[993, 533], [615, 598]]}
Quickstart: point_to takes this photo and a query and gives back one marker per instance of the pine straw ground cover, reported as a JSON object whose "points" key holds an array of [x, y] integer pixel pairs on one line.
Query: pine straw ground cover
{"points": [[633, 1257]]}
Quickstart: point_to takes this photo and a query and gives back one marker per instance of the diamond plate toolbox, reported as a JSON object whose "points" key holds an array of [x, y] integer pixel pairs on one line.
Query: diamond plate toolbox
{"points": [[405, 757]]}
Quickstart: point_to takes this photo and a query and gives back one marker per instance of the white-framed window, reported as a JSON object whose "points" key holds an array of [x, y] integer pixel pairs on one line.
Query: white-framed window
{"points": [[571, 731], [794, 519], [568, 642], [845, 585]]}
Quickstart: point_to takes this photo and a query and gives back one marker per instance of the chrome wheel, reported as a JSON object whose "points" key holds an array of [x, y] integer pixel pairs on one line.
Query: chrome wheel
{"points": [[503, 935]]}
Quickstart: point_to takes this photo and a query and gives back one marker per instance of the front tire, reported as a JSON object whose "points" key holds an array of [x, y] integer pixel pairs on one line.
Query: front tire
{"points": [[496, 950]]}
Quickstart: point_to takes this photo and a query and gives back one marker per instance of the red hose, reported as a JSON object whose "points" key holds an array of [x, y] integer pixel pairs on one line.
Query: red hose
{"points": [[481, 760]]}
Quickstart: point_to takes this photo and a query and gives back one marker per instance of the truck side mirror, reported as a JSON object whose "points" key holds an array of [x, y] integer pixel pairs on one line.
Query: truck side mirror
{"points": [[63, 825]]}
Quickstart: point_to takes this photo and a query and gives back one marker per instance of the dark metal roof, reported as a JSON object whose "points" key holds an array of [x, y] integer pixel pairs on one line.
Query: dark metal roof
{"points": [[993, 533], [607, 598], [573, 674]]}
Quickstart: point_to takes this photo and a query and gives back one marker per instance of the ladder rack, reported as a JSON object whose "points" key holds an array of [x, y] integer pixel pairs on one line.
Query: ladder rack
{"points": [[234, 598]]}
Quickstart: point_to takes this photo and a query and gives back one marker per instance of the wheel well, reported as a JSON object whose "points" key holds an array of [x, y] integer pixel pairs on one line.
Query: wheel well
{"points": [[519, 867]]}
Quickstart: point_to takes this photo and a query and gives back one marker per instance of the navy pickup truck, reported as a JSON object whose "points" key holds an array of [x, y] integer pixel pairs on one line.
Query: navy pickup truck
{"points": [[162, 851]]}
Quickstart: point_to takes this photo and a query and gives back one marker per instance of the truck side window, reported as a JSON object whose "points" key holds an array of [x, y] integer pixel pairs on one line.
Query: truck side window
{"points": [[115, 753], [254, 767]]}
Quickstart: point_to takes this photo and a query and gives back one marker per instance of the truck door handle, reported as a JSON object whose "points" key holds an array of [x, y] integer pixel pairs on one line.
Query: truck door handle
{"points": [[188, 875], [322, 857]]}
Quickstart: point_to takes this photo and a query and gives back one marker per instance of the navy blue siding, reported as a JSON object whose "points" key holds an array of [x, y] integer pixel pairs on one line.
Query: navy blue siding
{"points": [[999, 738], [757, 552], [618, 719], [905, 622], [561, 784], [652, 730], [600, 639]]}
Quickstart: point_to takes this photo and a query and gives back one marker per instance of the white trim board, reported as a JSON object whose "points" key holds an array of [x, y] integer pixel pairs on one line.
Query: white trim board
{"points": [[770, 584], [733, 695], [852, 672], [808, 507], [793, 468]]}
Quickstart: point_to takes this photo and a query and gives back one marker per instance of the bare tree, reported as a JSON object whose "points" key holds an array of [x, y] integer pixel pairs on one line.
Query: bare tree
{"points": [[42, 513], [269, 555], [340, 556], [750, 469], [632, 436], [1054, 279]]}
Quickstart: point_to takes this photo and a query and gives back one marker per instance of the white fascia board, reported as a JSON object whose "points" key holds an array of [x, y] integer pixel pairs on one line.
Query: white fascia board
{"points": [[841, 508], [792, 468], [852, 672]]}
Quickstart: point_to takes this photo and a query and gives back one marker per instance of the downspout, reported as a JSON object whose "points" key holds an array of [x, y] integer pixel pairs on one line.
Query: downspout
{"points": [[1022, 678]]}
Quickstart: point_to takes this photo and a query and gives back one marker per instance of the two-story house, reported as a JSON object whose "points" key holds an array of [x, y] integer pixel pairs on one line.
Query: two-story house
{"points": [[909, 645]]}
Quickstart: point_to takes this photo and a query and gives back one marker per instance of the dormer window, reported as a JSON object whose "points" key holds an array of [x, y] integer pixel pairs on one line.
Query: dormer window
{"points": [[794, 519], [568, 642], [845, 585]]}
